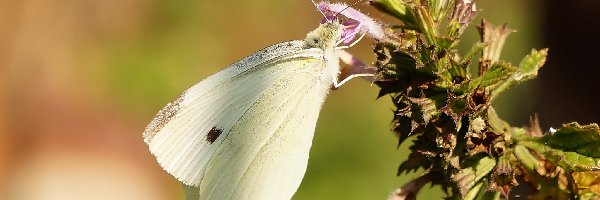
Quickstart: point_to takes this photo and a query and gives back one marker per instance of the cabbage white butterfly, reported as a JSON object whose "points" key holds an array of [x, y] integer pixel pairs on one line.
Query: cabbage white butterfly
{"points": [[245, 132]]}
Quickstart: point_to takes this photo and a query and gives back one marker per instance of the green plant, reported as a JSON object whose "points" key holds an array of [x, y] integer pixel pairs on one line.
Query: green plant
{"points": [[457, 137]]}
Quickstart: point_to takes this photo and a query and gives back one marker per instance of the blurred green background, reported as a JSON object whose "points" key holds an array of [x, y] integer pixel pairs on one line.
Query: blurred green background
{"points": [[82, 78]]}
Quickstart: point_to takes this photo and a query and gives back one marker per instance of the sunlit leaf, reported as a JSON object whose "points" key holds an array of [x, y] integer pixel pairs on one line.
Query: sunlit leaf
{"points": [[573, 146], [588, 183], [527, 69], [472, 173], [498, 73], [527, 159], [481, 192]]}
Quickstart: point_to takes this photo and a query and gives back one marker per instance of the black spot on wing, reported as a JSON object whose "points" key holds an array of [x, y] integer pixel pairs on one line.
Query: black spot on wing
{"points": [[213, 134]]}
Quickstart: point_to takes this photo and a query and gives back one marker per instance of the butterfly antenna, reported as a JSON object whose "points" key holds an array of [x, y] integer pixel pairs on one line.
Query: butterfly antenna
{"points": [[351, 5]]}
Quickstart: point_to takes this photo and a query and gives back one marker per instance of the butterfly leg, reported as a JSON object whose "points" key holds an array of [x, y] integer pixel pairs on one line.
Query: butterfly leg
{"points": [[353, 43], [355, 68], [357, 28]]}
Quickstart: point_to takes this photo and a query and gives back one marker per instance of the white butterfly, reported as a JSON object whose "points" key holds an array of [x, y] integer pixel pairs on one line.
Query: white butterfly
{"points": [[246, 131]]}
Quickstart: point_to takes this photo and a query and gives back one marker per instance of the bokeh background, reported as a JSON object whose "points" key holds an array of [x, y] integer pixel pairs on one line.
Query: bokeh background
{"points": [[80, 79]]}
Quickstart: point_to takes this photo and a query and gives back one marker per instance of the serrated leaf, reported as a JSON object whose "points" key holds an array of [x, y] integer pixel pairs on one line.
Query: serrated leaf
{"points": [[413, 163], [403, 60], [577, 138], [456, 73], [456, 107], [500, 71], [423, 109], [527, 69], [503, 178], [403, 126], [529, 66], [477, 47], [472, 173], [568, 160], [573, 146], [459, 70], [390, 86], [426, 57], [394, 69]]}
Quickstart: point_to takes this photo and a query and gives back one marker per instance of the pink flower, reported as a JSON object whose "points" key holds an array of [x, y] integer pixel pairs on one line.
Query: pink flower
{"points": [[357, 22]]}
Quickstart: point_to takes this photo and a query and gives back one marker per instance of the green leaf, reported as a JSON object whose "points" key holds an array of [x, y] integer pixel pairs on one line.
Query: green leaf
{"points": [[499, 72], [527, 159], [489, 195], [460, 70], [528, 69], [458, 106], [498, 125], [395, 69], [445, 42], [456, 73], [573, 146], [423, 109], [477, 47], [529, 66], [574, 137], [481, 192], [472, 173], [472, 194], [427, 24], [400, 10], [439, 8]]}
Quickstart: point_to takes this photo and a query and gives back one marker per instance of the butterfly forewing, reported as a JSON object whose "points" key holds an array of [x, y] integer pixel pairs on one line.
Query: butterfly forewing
{"points": [[215, 129]]}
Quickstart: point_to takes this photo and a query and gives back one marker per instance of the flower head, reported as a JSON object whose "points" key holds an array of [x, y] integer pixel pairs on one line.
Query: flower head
{"points": [[356, 22]]}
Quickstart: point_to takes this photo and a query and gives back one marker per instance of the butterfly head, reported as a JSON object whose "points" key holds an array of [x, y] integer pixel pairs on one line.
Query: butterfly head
{"points": [[354, 23], [326, 36]]}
